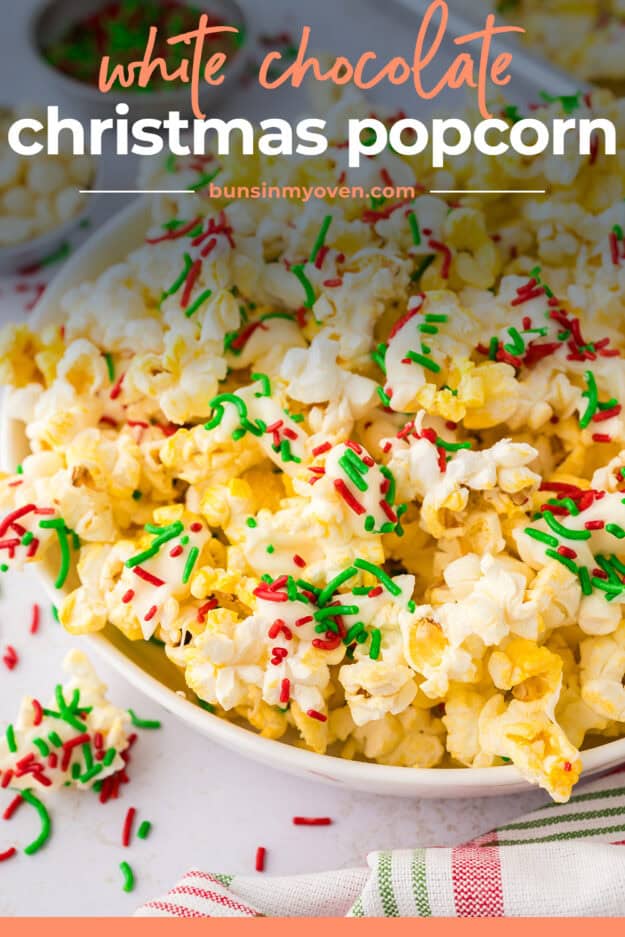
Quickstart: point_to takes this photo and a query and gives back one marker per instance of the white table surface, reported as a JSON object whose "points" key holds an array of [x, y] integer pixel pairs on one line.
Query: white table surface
{"points": [[208, 807]]}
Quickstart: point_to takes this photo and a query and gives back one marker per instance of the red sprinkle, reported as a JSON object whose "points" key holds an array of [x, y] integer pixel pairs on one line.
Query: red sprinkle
{"points": [[127, 828], [117, 387], [10, 810], [568, 766], [333, 284], [176, 233], [38, 712], [147, 577], [203, 610], [348, 497], [277, 627], [128, 596], [176, 551], [614, 249], [594, 525], [447, 256], [601, 437], [285, 691], [261, 852], [10, 658], [404, 320], [312, 821], [325, 447], [567, 552], [299, 561], [303, 621], [149, 615], [603, 415], [8, 854], [314, 714], [34, 620], [192, 277]]}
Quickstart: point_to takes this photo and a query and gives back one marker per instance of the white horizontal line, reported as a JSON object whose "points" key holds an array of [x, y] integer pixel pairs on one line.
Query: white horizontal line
{"points": [[137, 192], [488, 191]]}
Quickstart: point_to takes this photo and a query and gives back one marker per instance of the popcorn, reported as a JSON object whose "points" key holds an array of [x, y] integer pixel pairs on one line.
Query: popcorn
{"points": [[360, 469]]}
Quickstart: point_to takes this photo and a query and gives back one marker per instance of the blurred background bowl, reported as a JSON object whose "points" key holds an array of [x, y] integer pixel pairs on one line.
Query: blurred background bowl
{"points": [[16, 258], [51, 22]]}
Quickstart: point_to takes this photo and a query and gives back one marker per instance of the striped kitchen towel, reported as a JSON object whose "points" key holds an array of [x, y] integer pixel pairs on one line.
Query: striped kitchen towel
{"points": [[561, 860]]}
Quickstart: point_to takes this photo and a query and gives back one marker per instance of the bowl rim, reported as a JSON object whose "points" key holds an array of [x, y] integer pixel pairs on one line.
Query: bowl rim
{"points": [[371, 776], [90, 92]]}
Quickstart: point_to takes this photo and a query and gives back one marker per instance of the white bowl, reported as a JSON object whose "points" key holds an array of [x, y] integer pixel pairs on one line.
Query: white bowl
{"points": [[146, 667]]}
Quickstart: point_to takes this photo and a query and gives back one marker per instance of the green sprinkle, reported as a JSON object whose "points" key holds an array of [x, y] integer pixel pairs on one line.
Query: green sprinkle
{"points": [[271, 549], [332, 610], [194, 552], [326, 626], [42, 746], [19, 470], [251, 522], [390, 495], [564, 560], [89, 775], [386, 400], [143, 723], [144, 830], [428, 329], [75, 771], [136, 495], [618, 231], [414, 227], [28, 538], [162, 535], [411, 606], [616, 530], [326, 594], [352, 473], [584, 579], [354, 632], [380, 575], [10, 737], [593, 400], [109, 757], [541, 536], [569, 102], [188, 263], [204, 180], [55, 614], [424, 361], [58, 524], [298, 271], [369, 523], [517, 346], [266, 384], [46, 825], [170, 163], [435, 317], [563, 531], [321, 237], [193, 308], [207, 706], [129, 876], [493, 348], [452, 446], [55, 739], [423, 266], [376, 641], [286, 454], [110, 366]]}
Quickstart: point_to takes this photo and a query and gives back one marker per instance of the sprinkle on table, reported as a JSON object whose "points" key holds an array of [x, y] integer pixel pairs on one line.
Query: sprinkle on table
{"points": [[129, 877], [312, 821], [46, 824], [261, 854], [127, 827], [144, 829]]}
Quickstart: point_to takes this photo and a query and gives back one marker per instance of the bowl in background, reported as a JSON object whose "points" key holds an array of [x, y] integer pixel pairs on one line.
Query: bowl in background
{"points": [[51, 21]]}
